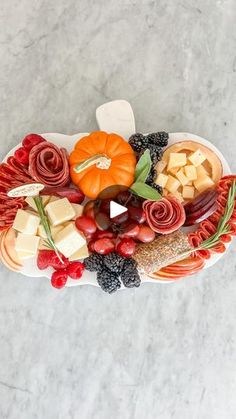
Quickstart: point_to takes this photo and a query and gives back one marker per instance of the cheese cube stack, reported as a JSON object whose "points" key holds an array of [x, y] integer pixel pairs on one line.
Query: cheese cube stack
{"points": [[60, 211], [69, 240], [25, 222], [182, 178], [27, 244]]}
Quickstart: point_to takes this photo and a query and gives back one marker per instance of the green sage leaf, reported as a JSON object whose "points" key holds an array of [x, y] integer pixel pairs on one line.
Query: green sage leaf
{"points": [[143, 167], [145, 191]]}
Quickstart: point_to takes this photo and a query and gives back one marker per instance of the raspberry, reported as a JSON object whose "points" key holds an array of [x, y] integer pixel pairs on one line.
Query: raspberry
{"points": [[31, 140], [59, 278], [56, 264], [44, 258], [75, 270], [22, 155]]}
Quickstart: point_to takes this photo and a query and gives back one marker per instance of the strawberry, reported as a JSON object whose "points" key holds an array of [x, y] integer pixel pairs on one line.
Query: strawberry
{"points": [[31, 140], [59, 278], [22, 155], [75, 270]]}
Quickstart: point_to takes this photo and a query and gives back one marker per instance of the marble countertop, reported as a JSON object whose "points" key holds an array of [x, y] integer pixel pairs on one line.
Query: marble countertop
{"points": [[161, 351]]}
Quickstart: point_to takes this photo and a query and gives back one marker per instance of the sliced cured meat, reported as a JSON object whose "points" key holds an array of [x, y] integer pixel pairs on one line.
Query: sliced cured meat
{"points": [[164, 216], [73, 195], [49, 165]]}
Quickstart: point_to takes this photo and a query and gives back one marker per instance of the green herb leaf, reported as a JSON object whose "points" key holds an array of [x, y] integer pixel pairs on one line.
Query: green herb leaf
{"points": [[145, 191], [143, 167]]}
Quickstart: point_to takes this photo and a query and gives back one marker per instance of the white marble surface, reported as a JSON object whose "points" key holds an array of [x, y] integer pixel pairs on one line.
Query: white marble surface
{"points": [[160, 352]]}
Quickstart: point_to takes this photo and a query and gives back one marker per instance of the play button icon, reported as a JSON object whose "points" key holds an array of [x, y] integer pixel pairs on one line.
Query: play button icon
{"points": [[116, 209]]}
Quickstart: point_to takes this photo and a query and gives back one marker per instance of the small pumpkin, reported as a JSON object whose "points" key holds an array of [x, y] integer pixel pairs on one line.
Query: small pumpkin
{"points": [[101, 160]]}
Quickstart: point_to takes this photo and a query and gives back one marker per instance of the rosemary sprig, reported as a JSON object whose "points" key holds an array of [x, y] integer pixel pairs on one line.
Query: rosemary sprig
{"points": [[46, 225], [223, 227]]}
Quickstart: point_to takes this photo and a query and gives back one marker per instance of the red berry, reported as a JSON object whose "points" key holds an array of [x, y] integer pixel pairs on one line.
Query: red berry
{"points": [[91, 244], [126, 247], [31, 140], [104, 246], [86, 224], [59, 278], [120, 219], [22, 155], [75, 270], [57, 264], [136, 214], [44, 258], [146, 234]]}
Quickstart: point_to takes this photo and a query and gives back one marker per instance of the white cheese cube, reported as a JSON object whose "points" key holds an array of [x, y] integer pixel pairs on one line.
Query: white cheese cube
{"points": [[54, 198], [24, 255], [177, 160], [78, 210], [203, 183], [197, 158], [26, 243], [80, 254], [26, 222], [69, 240], [191, 172], [173, 171], [181, 177], [54, 230], [201, 171], [31, 203], [160, 166], [161, 180], [172, 184], [60, 211], [188, 192]]}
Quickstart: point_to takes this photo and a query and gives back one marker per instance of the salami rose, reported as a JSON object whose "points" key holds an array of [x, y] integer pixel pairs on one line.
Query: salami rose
{"points": [[164, 216], [49, 165]]}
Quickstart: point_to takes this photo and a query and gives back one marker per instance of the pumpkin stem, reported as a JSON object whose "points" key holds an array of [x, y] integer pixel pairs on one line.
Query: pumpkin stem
{"points": [[100, 160]]}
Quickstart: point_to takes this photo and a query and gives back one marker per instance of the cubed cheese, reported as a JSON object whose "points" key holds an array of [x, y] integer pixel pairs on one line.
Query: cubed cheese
{"points": [[191, 172], [45, 199], [80, 254], [26, 243], [197, 158], [60, 211], [54, 198], [173, 170], [26, 222], [181, 177], [78, 210], [31, 203], [161, 165], [201, 171], [25, 255], [69, 240], [177, 160], [203, 183], [161, 180], [178, 195], [54, 230], [172, 184], [188, 192]]}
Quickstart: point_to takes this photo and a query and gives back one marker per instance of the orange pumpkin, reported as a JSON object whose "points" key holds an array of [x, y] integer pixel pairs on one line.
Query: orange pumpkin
{"points": [[102, 160]]}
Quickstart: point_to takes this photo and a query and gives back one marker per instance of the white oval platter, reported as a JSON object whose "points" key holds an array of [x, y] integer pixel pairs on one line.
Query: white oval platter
{"points": [[117, 114]]}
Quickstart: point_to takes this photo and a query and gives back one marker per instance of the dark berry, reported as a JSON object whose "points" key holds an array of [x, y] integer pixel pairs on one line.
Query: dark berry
{"points": [[136, 142], [130, 276], [157, 187], [130, 264], [152, 176], [158, 138], [114, 262], [94, 262], [155, 154], [108, 281]]}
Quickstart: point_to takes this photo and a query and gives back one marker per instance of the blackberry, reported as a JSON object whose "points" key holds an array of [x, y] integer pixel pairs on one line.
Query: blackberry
{"points": [[158, 138], [129, 264], [114, 262], [151, 176], [130, 277], [94, 262], [108, 281], [136, 142], [157, 187], [155, 154]]}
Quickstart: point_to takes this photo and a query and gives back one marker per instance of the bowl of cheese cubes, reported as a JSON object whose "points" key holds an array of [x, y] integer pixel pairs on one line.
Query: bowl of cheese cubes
{"points": [[190, 165]]}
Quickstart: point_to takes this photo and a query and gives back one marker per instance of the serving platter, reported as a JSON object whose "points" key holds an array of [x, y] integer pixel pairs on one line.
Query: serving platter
{"points": [[116, 116]]}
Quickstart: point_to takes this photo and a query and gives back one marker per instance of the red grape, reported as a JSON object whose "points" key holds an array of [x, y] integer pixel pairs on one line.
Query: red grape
{"points": [[105, 206], [103, 221], [123, 197], [91, 246], [136, 214], [104, 246], [101, 234], [126, 247], [86, 224], [146, 234], [120, 219], [130, 230], [89, 209]]}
